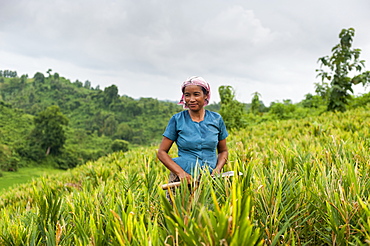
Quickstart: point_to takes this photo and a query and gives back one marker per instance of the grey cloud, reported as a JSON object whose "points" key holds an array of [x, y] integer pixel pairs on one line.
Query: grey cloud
{"points": [[254, 45]]}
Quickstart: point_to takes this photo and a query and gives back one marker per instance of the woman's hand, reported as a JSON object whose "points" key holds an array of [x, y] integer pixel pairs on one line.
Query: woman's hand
{"points": [[222, 157], [163, 156], [185, 176], [216, 171]]}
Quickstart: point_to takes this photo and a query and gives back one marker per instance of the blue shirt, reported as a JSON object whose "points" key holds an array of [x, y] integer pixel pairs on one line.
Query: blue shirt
{"points": [[196, 141]]}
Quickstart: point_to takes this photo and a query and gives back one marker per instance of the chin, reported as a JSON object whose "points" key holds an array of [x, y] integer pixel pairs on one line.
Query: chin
{"points": [[195, 108]]}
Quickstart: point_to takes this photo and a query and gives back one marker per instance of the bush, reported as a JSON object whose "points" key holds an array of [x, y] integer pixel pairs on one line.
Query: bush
{"points": [[67, 159], [31, 152], [360, 101], [8, 159], [119, 145], [283, 111]]}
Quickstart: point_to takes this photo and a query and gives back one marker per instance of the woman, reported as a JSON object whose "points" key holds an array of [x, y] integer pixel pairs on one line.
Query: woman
{"points": [[200, 135]]}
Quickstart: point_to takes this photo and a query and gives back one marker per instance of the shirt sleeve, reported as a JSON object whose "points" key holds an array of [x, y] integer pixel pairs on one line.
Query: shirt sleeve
{"points": [[223, 131], [171, 129]]}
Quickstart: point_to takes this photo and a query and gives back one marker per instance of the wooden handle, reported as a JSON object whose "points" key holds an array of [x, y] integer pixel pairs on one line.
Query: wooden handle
{"points": [[170, 185], [176, 184]]}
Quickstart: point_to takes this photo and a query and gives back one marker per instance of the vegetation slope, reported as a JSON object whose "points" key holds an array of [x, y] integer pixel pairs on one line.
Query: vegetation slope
{"points": [[304, 182], [94, 120]]}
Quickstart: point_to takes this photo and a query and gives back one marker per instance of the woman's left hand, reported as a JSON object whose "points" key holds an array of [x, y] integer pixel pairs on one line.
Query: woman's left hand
{"points": [[216, 171]]}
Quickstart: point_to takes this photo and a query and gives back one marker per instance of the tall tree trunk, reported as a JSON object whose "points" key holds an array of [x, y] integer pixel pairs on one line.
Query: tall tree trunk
{"points": [[47, 151]]}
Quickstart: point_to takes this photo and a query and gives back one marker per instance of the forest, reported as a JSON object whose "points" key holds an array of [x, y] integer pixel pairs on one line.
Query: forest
{"points": [[304, 166]]}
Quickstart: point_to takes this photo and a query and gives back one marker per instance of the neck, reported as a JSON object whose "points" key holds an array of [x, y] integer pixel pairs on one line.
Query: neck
{"points": [[197, 116]]}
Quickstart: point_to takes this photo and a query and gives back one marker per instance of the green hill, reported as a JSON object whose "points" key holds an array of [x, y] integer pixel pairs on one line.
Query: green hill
{"points": [[304, 182], [96, 120], [104, 112]]}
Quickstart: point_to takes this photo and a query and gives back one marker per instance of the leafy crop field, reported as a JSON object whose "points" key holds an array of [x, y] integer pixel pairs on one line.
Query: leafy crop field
{"points": [[304, 182]]}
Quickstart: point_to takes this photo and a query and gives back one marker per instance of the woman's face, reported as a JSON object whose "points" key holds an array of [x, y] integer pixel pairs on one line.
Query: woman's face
{"points": [[194, 97]]}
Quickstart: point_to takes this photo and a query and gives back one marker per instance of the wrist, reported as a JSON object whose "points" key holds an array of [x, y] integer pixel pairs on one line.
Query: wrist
{"points": [[181, 174], [216, 170]]}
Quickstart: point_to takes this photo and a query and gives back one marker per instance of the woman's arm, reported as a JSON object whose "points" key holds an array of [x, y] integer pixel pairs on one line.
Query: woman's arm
{"points": [[223, 154], [163, 156]]}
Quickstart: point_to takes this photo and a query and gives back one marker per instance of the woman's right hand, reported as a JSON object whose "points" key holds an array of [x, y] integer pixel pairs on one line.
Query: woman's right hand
{"points": [[163, 156], [185, 176]]}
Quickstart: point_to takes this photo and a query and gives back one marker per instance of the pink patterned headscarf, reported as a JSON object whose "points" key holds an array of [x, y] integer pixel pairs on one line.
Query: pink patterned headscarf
{"points": [[195, 80]]}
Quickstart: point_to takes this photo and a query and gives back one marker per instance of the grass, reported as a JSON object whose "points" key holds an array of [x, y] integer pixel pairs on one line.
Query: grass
{"points": [[305, 182], [24, 175]]}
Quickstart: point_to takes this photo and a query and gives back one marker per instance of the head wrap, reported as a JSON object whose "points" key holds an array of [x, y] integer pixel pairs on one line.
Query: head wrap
{"points": [[195, 80]]}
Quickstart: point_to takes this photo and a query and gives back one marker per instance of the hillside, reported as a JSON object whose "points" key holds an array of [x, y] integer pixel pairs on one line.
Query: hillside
{"points": [[104, 112], [305, 182], [95, 120]]}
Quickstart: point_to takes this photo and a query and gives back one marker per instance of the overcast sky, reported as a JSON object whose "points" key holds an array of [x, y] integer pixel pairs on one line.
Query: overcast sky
{"points": [[148, 48]]}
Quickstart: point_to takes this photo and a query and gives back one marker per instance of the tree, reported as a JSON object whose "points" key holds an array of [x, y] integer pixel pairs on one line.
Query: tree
{"points": [[110, 94], [231, 110], [87, 84], [49, 131], [110, 125], [49, 72], [124, 132], [256, 104], [343, 60], [8, 74], [39, 78], [78, 83]]}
